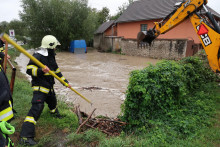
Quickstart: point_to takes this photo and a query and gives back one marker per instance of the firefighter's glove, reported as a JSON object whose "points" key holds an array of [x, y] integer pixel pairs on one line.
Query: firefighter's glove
{"points": [[6, 128]]}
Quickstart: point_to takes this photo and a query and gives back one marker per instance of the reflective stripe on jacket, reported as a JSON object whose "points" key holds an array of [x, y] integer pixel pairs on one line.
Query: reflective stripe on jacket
{"points": [[41, 89], [7, 114]]}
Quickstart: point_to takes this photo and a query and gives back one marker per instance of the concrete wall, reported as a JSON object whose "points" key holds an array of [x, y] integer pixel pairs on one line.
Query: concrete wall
{"points": [[102, 43], [160, 48], [107, 43]]}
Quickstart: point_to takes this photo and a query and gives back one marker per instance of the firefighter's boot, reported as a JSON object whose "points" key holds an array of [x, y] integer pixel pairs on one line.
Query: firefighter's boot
{"points": [[27, 141], [56, 114]]}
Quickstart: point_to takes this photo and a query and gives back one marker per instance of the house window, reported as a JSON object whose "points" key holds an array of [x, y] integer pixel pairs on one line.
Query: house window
{"points": [[143, 27]]}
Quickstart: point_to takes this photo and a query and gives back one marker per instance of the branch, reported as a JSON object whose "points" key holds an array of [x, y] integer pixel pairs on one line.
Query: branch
{"points": [[85, 121]]}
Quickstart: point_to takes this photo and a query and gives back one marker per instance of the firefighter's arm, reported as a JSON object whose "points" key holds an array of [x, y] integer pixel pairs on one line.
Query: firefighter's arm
{"points": [[33, 69], [60, 75]]}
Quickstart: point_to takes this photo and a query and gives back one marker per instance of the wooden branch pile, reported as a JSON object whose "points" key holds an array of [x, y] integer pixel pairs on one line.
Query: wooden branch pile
{"points": [[111, 127]]}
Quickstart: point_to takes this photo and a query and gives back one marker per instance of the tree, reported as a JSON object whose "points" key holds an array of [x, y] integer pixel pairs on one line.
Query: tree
{"points": [[103, 15], [65, 19], [90, 25], [121, 9], [4, 26]]}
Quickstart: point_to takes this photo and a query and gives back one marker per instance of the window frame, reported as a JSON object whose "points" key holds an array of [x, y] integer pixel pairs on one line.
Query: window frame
{"points": [[143, 26]]}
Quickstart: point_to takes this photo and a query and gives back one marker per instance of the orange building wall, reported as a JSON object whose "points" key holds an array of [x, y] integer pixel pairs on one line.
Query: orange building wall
{"points": [[130, 30], [108, 32], [184, 30]]}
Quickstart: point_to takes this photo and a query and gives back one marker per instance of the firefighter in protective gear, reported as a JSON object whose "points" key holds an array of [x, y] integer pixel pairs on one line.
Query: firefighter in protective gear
{"points": [[43, 87], [6, 111]]}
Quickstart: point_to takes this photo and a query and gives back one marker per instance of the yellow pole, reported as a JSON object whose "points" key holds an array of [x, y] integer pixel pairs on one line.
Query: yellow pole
{"points": [[22, 50]]}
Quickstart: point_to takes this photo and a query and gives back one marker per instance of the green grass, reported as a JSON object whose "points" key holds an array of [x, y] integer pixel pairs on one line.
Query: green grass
{"points": [[62, 132]]}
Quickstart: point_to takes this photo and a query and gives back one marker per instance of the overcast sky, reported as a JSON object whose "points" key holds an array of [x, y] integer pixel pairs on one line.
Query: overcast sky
{"points": [[10, 8]]}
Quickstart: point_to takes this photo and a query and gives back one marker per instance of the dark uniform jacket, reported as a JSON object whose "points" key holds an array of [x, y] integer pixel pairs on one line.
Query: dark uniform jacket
{"points": [[6, 112], [1, 51], [41, 79]]}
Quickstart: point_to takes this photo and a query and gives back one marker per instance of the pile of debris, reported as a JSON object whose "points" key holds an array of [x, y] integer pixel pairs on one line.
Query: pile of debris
{"points": [[111, 127]]}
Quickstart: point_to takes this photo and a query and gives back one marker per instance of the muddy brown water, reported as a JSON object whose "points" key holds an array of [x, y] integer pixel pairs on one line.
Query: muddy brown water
{"points": [[100, 77]]}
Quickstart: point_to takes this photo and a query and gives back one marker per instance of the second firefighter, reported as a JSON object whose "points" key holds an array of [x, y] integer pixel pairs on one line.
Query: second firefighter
{"points": [[43, 87]]}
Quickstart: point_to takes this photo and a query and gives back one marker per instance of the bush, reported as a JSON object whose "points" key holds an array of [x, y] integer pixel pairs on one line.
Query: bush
{"points": [[170, 95]]}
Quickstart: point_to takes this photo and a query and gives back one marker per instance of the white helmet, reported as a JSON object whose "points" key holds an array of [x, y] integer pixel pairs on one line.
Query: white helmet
{"points": [[50, 42]]}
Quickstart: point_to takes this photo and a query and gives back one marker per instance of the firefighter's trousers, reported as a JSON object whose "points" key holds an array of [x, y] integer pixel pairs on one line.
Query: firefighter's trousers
{"points": [[39, 97]]}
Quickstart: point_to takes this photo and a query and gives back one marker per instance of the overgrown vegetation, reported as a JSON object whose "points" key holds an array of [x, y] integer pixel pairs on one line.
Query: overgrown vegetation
{"points": [[186, 118], [172, 99]]}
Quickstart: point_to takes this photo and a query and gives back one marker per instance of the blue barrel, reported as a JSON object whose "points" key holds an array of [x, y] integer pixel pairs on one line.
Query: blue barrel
{"points": [[78, 44]]}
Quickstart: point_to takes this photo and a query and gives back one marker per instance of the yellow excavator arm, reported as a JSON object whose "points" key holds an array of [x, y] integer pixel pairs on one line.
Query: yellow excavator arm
{"points": [[210, 39], [207, 30]]}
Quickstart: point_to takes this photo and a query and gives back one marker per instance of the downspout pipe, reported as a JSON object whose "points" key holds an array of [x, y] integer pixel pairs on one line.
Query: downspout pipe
{"points": [[113, 34]]}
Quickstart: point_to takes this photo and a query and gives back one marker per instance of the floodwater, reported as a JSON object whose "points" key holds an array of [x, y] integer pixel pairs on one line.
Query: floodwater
{"points": [[100, 77]]}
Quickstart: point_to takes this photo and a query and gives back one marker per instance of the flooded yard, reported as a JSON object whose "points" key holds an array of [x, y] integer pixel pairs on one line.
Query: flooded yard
{"points": [[100, 77]]}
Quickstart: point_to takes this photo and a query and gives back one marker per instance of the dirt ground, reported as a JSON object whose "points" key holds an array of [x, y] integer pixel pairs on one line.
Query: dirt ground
{"points": [[100, 77]]}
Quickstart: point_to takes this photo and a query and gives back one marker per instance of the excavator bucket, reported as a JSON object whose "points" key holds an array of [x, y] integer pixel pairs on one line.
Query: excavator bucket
{"points": [[147, 36], [150, 36]]}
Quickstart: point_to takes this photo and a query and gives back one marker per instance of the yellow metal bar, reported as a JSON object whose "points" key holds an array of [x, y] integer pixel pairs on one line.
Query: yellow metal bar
{"points": [[22, 50]]}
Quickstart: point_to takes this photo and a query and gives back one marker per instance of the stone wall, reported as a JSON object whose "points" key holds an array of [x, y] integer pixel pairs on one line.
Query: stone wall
{"points": [[160, 48]]}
